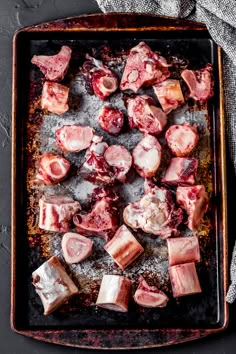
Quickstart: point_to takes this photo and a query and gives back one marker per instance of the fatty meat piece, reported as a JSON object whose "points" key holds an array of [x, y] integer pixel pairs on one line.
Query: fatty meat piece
{"points": [[181, 171], [120, 159]]}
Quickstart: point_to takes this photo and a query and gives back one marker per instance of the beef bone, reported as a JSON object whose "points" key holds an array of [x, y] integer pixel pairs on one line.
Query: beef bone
{"points": [[120, 159], [183, 250], [181, 171], [149, 296], [195, 201], [154, 213], [143, 68], [56, 212], [182, 139], [53, 285], [74, 138], [123, 247], [76, 247], [144, 115], [52, 169], [55, 97], [111, 120], [102, 220], [54, 67], [169, 94], [184, 279], [147, 156], [200, 82], [114, 293]]}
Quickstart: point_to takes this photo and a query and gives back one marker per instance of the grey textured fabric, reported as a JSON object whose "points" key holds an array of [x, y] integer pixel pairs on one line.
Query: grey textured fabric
{"points": [[220, 19]]}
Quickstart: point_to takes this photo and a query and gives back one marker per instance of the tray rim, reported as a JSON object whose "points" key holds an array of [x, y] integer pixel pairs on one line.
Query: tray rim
{"points": [[82, 24]]}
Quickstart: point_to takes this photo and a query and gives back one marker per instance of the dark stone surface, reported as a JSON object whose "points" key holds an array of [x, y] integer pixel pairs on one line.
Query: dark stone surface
{"points": [[13, 15]]}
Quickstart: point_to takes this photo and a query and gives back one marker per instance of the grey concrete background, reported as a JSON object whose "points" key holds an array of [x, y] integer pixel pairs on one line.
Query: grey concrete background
{"points": [[15, 14]]}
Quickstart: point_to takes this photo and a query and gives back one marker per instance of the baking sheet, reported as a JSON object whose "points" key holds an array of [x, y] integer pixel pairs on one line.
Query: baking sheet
{"points": [[37, 132]]}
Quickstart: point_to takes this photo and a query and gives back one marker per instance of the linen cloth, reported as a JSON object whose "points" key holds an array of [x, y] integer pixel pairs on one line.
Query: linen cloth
{"points": [[220, 18]]}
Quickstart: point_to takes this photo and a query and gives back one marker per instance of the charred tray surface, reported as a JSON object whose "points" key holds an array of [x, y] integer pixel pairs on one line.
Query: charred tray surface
{"points": [[79, 322]]}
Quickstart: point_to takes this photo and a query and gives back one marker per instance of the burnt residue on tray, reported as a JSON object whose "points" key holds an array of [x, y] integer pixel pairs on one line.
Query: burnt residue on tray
{"points": [[39, 128]]}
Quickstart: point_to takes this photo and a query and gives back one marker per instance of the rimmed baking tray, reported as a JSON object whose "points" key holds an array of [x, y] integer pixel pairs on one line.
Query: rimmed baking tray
{"points": [[78, 323]]}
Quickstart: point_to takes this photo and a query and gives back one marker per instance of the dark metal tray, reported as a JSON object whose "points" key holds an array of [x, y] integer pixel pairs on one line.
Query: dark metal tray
{"points": [[78, 323]]}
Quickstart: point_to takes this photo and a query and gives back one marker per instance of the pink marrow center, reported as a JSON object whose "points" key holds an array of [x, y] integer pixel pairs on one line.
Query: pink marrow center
{"points": [[149, 296], [74, 138], [182, 139], [114, 293], [55, 97], [52, 169], [75, 247]]}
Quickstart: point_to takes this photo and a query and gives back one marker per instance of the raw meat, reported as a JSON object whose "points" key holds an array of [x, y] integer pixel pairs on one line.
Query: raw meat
{"points": [[103, 218], [119, 158], [114, 293], [147, 156], [149, 296], [169, 94], [55, 97], [195, 201], [104, 82], [75, 247], [183, 250], [95, 168], [53, 285], [54, 67], [144, 115], [111, 120], [182, 139], [56, 212], [184, 280], [123, 247], [74, 138], [181, 171], [154, 213], [200, 83], [52, 169], [143, 68]]}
